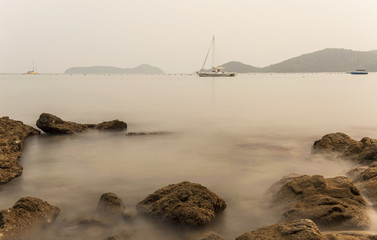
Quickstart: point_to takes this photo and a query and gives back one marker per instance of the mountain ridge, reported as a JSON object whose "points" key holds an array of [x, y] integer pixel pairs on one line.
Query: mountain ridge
{"points": [[325, 60], [141, 69]]}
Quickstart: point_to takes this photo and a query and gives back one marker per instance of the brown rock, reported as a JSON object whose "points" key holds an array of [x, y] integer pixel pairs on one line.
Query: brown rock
{"points": [[28, 215], [341, 145], [210, 236], [111, 206], [184, 203], [12, 136], [350, 236], [293, 230], [55, 125], [329, 202]]}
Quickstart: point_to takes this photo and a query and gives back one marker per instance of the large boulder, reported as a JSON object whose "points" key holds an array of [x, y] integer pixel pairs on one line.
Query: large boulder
{"points": [[185, 203], [28, 215], [12, 136], [293, 230], [341, 145], [55, 125], [366, 179], [332, 203]]}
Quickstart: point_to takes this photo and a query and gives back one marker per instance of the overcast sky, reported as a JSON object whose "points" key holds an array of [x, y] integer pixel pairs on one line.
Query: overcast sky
{"points": [[175, 35]]}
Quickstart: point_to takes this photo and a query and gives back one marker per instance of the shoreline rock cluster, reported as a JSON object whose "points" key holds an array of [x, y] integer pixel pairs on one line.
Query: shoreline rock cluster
{"points": [[306, 203]]}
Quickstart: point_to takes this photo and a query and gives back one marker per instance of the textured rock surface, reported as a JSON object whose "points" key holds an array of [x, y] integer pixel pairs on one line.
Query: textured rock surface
{"points": [[366, 179], [350, 236], [330, 202], [28, 215], [184, 203], [293, 230], [341, 145], [55, 125], [210, 236], [12, 136]]}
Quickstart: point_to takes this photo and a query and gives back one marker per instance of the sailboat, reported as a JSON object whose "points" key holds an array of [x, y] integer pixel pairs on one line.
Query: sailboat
{"points": [[215, 71], [359, 70], [34, 71]]}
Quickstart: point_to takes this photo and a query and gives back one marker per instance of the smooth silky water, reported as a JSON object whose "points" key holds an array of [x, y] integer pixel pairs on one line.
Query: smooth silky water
{"points": [[236, 136]]}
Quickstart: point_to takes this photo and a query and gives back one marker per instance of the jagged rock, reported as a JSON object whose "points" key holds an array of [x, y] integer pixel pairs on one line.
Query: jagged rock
{"points": [[28, 215], [55, 125], [12, 136], [184, 203], [329, 202], [111, 206], [293, 230], [366, 180], [210, 236], [350, 236], [341, 145]]}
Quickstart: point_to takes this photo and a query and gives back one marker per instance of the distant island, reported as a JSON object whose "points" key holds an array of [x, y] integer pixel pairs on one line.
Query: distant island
{"points": [[141, 69], [326, 60]]}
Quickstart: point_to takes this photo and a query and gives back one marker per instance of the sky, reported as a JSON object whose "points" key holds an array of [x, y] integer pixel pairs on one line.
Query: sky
{"points": [[175, 35]]}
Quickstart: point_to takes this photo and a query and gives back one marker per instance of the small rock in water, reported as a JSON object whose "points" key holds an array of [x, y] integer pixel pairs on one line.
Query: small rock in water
{"points": [[210, 236], [185, 203]]}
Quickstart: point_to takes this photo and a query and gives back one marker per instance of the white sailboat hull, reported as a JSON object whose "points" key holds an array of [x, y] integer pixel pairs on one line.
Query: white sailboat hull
{"points": [[214, 74]]}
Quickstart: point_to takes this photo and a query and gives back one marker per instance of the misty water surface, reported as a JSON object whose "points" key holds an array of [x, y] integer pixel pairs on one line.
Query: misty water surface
{"points": [[235, 136]]}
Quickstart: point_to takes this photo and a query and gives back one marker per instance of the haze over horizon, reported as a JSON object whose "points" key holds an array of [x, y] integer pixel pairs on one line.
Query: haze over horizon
{"points": [[175, 35]]}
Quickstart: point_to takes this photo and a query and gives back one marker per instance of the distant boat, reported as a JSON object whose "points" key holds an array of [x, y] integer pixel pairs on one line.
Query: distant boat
{"points": [[215, 71], [34, 71], [359, 70]]}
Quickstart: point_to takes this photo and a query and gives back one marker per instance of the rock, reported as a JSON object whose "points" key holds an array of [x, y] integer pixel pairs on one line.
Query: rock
{"points": [[350, 236], [28, 215], [210, 236], [55, 125], [341, 145], [329, 202], [12, 136], [116, 237], [112, 125], [90, 222], [366, 180], [297, 229], [185, 203], [111, 206]]}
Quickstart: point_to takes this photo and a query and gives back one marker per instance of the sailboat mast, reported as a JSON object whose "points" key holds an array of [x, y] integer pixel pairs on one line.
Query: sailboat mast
{"points": [[213, 51]]}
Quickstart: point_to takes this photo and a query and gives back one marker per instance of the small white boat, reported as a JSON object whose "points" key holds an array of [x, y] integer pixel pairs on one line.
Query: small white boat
{"points": [[215, 71]]}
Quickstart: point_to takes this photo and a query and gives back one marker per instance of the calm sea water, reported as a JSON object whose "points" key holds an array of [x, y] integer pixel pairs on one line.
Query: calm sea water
{"points": [[236, 136]]}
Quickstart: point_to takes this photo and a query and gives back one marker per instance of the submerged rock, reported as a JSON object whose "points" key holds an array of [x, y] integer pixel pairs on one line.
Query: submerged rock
{"points": [[12, 136], [297, 229], [329, 202], [111, 206], [55, 125], [185, 203], [27, 216], [341, 145]]}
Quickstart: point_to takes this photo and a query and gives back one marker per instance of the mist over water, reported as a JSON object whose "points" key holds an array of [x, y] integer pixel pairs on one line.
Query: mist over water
{"points": [[236, 136]]}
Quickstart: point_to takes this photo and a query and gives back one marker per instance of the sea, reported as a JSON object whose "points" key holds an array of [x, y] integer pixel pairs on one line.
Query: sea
{"points": [[236, 136]]}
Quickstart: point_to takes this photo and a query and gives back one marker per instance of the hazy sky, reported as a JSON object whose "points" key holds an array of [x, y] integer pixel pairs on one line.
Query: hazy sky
{"points": [[175, 35]]}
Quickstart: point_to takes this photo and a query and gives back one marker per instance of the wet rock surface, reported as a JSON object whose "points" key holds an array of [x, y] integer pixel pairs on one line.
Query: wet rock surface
{"points": [[293, 230], [54, 125], [341, 145], [350, 236], [27, 216], [330, 202], [185, 203], [12, 136]]}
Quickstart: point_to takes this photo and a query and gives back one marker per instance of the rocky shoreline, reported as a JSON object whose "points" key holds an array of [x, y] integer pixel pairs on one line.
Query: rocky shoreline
{"points": [[309, 206]]}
